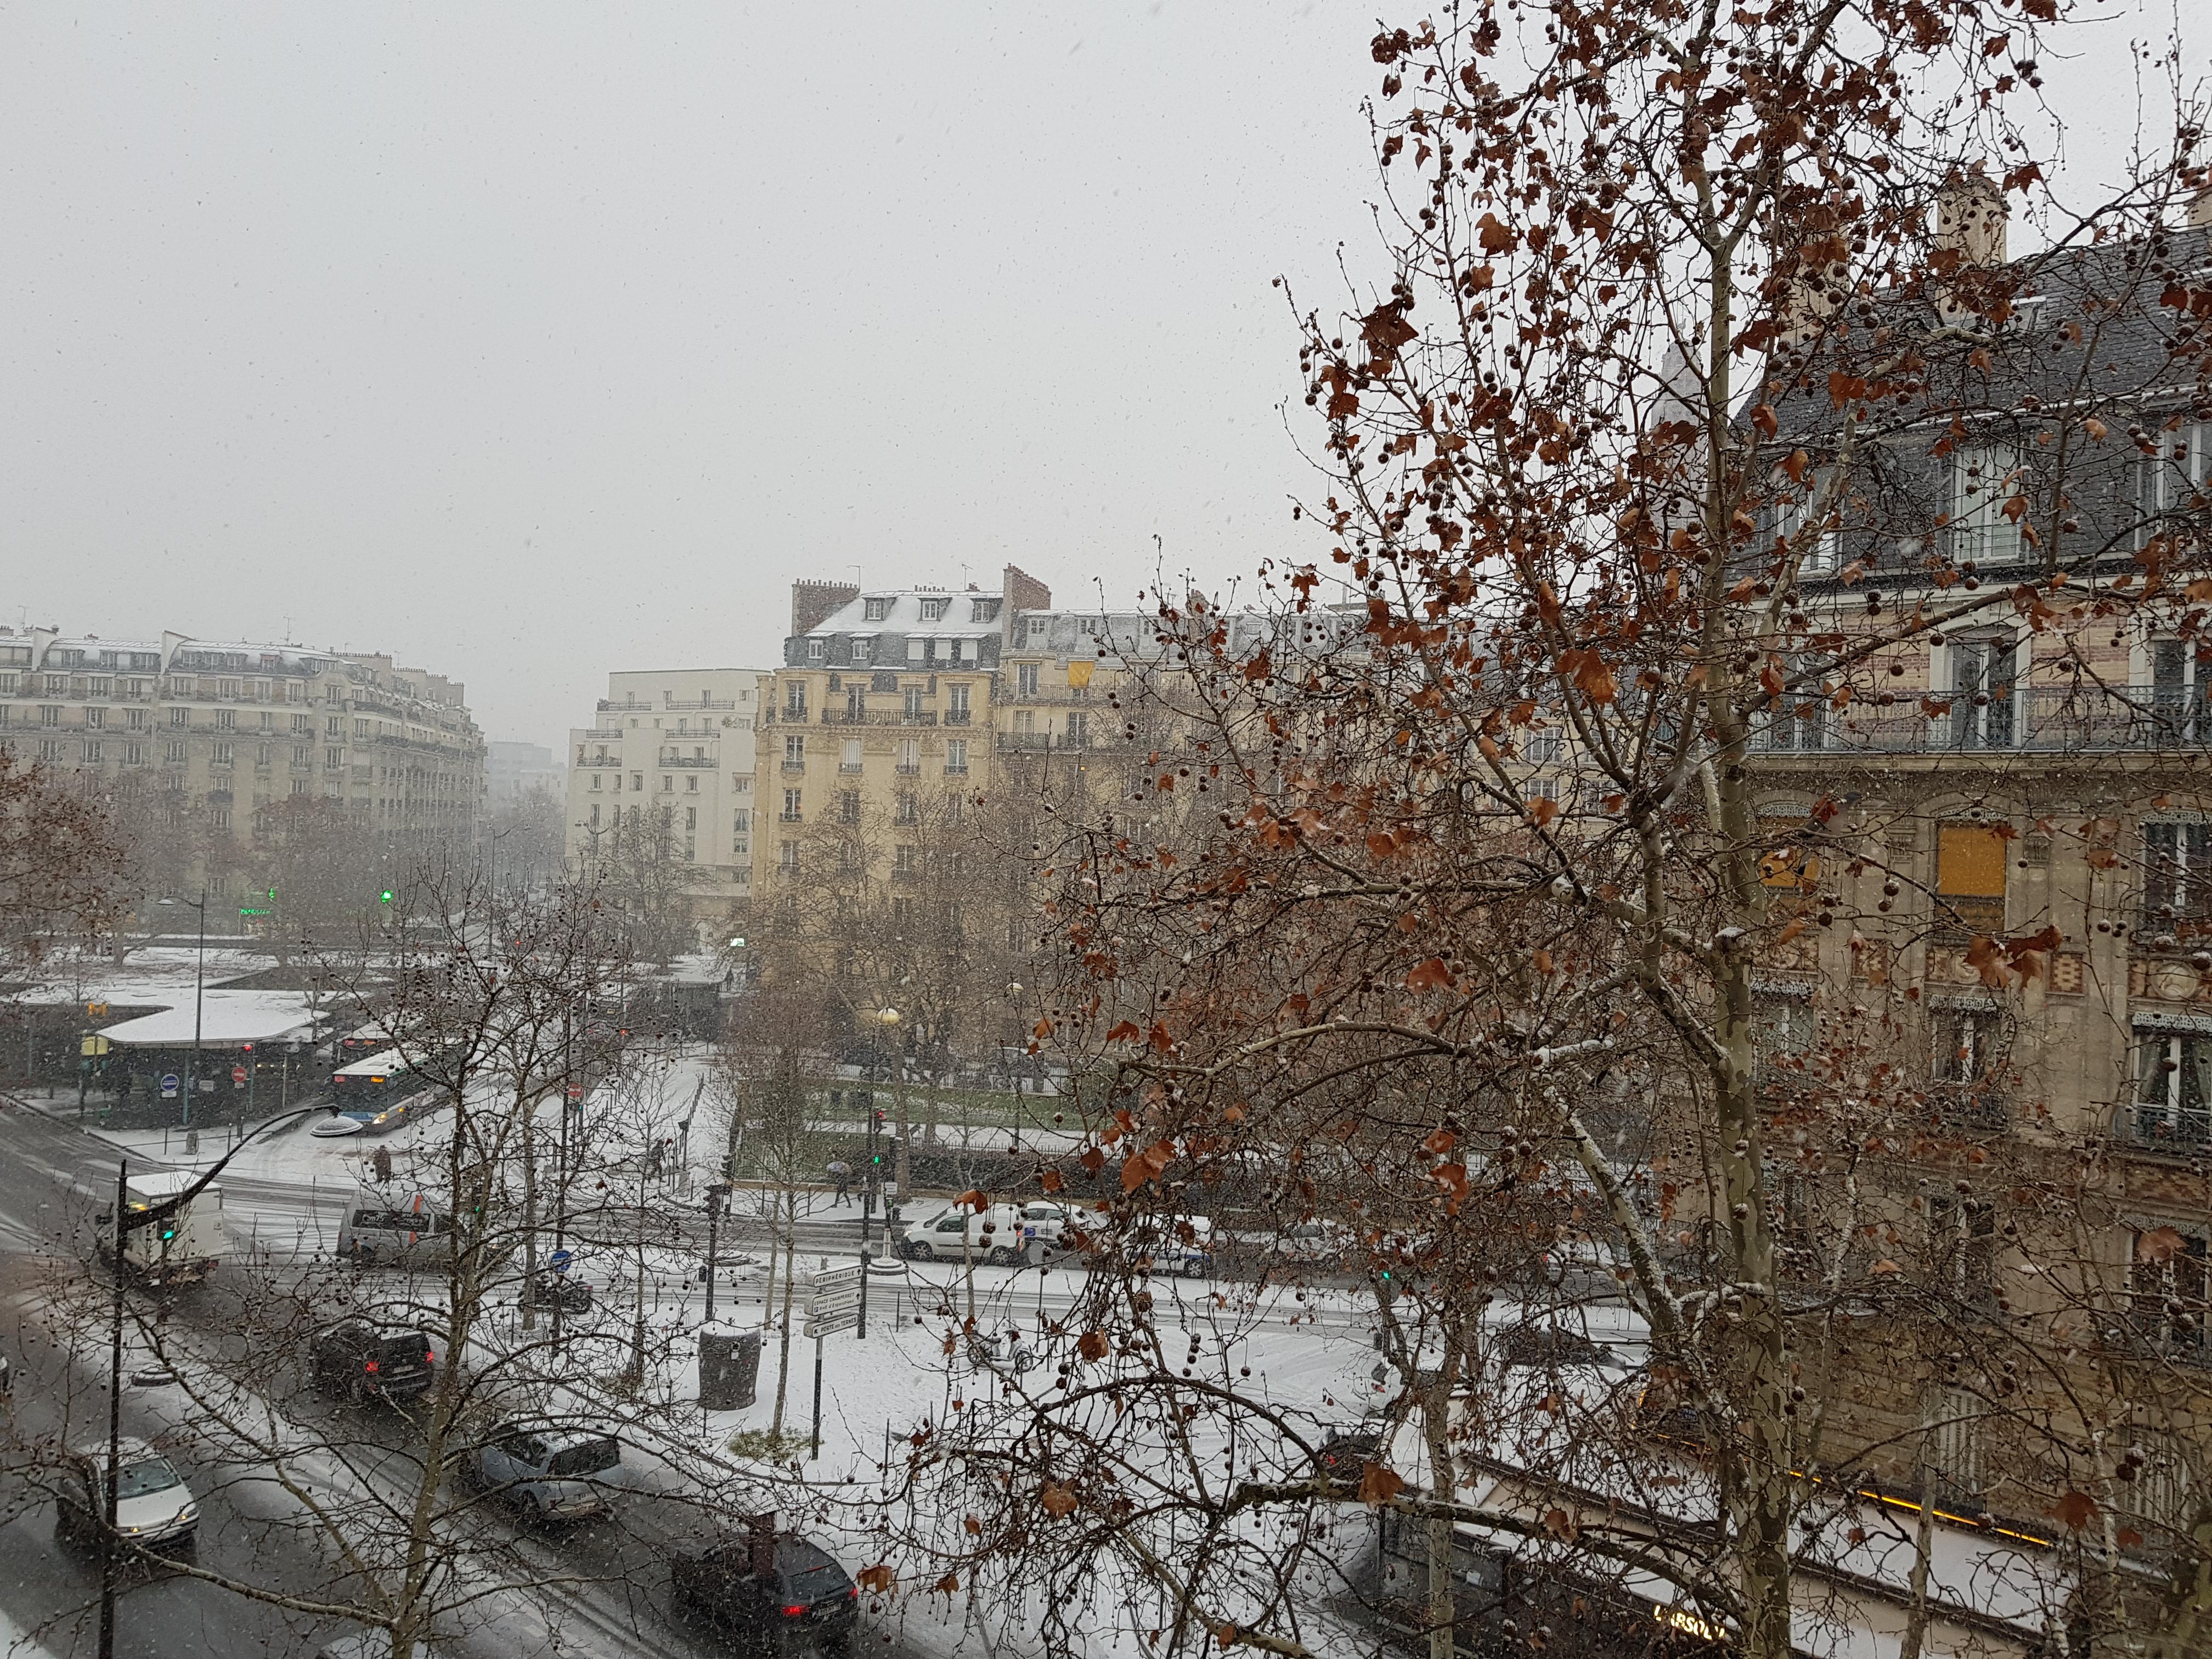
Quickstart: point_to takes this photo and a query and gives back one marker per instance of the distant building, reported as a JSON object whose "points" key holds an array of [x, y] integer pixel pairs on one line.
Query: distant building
{"points": [[512, 770], [209, 733], [671, 747]]}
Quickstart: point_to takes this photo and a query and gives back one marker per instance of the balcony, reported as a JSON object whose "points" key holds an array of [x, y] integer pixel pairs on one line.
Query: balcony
{"points": [[1962, 918], [851, 768], [906, 769], [701, 701], [624, 706], [601, 763], [2040, 720], [955, 717], [707, 761], [877, 717], [608, 735], [1980, 1104], [1039, 741], [2183, 1130], [791, 767]]}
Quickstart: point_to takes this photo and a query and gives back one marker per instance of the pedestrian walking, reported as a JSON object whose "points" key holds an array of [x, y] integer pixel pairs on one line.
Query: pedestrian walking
{"points": [[842, 1173]]}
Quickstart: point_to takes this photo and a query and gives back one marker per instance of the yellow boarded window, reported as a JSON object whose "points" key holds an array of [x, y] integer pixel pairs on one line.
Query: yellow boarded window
{"points": [[1078, 673], [1970, 861], [1789, 862]]}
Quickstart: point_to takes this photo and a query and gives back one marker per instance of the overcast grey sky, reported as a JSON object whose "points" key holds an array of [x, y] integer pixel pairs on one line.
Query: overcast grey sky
{"points": [[534, 341]]}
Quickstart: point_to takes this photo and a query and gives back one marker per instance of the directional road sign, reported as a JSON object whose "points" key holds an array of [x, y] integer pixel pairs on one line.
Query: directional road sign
{"points": [[833, 1301], [169, 1085]]}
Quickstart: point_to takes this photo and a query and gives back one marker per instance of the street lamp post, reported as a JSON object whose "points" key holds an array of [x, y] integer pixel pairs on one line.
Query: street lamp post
{"points": [[199, 983], [888, 1019]]}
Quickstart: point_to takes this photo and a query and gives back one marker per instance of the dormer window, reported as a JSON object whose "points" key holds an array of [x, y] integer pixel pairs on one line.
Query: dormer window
{"points": [[1985, 478], [934, 610], [875, 610], [982, 610]]}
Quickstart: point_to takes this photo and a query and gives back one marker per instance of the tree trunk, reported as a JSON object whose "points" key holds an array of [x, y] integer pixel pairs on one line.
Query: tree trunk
{"points": [[1443, 1606], [2184, 1631], [530, 1215], [783, 1341], [1923, 1538]]}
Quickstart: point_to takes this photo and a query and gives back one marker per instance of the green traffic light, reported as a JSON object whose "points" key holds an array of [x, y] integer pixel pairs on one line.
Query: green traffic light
{"points": [[385, 897]]}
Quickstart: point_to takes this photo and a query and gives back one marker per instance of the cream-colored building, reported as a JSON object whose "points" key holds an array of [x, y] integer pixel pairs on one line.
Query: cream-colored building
{"points": [[218, 733], [675, 744]]}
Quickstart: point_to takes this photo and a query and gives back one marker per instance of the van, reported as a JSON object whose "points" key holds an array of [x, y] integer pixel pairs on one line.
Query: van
{"points": [[183, 1246], [378, 1231], [999, 1235]]}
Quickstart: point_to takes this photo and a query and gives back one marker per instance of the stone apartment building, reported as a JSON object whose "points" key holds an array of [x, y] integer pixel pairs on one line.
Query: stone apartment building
{"points": [[217, 732], [1999, 780], [890, 696], [677, 743]]}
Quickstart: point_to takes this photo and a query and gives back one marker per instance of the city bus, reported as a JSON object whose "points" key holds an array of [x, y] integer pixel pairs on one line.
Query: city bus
{"points": [[371, 1096]]}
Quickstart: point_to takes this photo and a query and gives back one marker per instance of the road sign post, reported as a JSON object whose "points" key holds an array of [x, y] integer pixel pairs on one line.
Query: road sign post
{"points": [[169, 1083], [833, 1304]]}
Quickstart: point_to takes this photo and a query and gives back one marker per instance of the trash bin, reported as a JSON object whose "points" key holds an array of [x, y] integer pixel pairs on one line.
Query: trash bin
{"points": [[729, 1369]]}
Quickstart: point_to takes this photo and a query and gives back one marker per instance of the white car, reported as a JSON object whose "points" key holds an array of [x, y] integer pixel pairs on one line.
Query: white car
{"points": [[998, 1234], [1315, 1243], [363, 1120], [153, 1504]]}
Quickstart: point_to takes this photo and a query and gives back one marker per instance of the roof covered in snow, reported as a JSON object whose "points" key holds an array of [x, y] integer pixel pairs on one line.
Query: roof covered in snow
{"points": [[224, 1017]]}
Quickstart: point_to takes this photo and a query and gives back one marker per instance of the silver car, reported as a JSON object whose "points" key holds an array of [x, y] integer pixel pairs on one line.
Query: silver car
{"points": [[153, 1504], [550, 1472]]}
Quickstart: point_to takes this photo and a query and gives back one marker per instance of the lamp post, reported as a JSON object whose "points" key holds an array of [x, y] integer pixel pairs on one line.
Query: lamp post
{"points": [[199, 983], [126, 1223], [889, 1019]]}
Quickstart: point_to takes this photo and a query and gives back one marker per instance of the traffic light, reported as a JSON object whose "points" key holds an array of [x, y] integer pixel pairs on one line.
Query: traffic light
{"points": [[168, 1231], [385, 897]]}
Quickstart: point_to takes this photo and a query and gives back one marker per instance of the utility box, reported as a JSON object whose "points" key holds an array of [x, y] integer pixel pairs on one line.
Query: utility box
{"points": [[729, 1369]]}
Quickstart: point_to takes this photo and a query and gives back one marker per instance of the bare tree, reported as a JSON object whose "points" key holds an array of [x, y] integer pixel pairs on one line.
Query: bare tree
{"points": [[1698, 392]]}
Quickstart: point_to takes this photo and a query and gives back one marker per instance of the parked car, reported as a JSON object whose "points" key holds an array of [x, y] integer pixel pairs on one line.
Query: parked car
{"points": [[1554, 1348], [779, 1595], [364, 1359], [1161, 1239], [1041, 1221], [994, 1235], [1310, 1243], [1578, 1271], [565, 1291], [1346, 1455], [550, 1472], [153, 1504]]}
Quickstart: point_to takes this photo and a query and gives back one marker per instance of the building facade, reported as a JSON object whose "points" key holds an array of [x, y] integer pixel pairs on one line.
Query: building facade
{"points": [[213, 735], [664, 775], [513, 771]]}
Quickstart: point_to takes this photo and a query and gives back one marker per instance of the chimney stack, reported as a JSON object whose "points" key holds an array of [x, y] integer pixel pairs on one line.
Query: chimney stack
{"points": [[813, 604], [1024, 591], [1969, 218]]}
